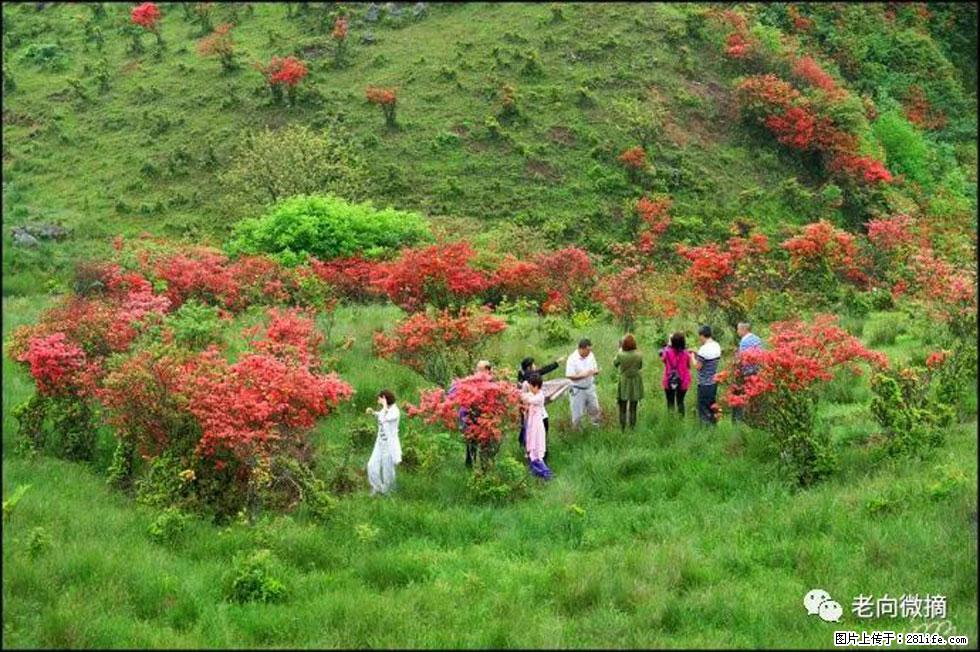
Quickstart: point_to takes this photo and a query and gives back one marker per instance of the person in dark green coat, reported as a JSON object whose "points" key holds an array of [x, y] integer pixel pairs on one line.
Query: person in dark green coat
{"points": [[628, 361]]}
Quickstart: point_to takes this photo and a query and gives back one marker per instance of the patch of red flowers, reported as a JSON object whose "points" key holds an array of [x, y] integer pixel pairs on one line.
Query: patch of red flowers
{"points": [[340, 27], [800, 355], [146, 15], [439, 275], [488, 406], [284, 71], [353, 277], [634, 158], [382, 96]]}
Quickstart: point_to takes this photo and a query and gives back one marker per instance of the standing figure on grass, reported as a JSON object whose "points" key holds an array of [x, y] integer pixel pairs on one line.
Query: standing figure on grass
{"points": [[533, 400], [629, 389], [582, 369], [387, 448], [706, 360], [677, 372], [552, 389], [466, 415], [747, 342]]}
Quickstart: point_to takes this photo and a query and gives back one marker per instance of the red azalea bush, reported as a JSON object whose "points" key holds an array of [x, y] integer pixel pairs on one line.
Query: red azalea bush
{"points": [[516, 279], [569, 277], [722, 274], [199, 273], [354, 278], [808, 70], [57, 365], [282, 72], [438, 275], [219, 44], [147, 16], [781, 396], [438, 345], [824, 256], [488, 406], [634, 158], [920, 111], [626, 295], [340, 28], [387, 99]]}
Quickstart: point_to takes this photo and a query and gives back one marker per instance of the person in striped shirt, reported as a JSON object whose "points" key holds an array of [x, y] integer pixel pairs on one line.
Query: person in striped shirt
{"points": [[706, 361]]}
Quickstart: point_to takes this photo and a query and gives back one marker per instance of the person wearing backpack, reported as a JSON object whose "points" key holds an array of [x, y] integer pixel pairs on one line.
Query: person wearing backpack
{"points": [[677, 372]]}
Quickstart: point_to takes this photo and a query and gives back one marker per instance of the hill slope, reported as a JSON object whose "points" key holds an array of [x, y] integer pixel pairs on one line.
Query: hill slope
{"points": [[147, 154]]}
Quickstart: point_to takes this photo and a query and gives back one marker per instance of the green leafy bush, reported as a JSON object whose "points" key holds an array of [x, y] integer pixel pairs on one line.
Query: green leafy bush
{"points": [[168, 527], [503, 481], [195, 325], [556, 331], [271, 165], [906, 148], [911, 414], [327, 227], [38, 542], [253, 578]]}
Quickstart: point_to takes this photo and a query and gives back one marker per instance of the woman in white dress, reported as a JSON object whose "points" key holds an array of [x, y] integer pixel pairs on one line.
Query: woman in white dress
{"points": [[387, 448]]}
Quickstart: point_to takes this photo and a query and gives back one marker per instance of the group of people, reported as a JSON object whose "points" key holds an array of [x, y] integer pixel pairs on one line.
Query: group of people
{"points": [[581, 370]]}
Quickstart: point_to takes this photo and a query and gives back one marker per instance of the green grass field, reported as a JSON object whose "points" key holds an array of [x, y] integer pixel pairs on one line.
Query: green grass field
{"points": [[685, 537], [669, 536]]}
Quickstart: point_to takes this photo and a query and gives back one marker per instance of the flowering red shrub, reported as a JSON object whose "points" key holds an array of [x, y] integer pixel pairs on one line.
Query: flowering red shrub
{"points": [[800, 23], [634, 158], [219, 44], [863, 168], [56, 364], [794, 128], [291, 336], [439, 275], [737, 46], [243, 407], [721, 274], [823, 248], [147, 16], [807, 69], [766, 94], [287, 71], [386, 98], [779, 397], [489, 406], [891, 232], [440, 345], [920, 111], [200, 273], [568, 275], [516, 278], [625, 294], [353, 278], [340, 27]]}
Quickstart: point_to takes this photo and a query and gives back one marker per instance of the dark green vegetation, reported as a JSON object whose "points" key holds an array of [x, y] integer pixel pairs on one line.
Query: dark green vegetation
{"points": [[671, 536]]}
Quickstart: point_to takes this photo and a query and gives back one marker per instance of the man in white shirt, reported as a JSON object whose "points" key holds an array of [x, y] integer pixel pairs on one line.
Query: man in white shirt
{"points": [[581, 368]]}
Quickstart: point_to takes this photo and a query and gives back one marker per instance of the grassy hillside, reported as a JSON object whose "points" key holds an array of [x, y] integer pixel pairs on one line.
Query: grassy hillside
{"points": [[671, 536], [147, 153]]}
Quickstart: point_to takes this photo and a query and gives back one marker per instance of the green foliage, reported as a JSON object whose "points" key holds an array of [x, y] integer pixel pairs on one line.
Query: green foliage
{"points": [[556, 331], [168, 527], [328, 227], [425, 451], [905, 405], [906, 149], [502, 481], [38, 542], [10, 503], [805, 453], [61, 425], [46, 55], [270, 165], [195, 325], [255, 578]]}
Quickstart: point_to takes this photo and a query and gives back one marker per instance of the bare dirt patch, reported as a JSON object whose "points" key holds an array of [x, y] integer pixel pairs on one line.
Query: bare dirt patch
{"points": [[542, 170], [561, 136]]}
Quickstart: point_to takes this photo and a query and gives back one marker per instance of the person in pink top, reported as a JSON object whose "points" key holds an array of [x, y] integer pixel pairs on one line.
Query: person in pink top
{"points": [[677, 372], [535, 436]]}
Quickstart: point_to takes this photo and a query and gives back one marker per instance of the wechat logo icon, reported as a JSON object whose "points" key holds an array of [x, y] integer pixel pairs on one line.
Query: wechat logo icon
{"points": [[818, 602]]}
